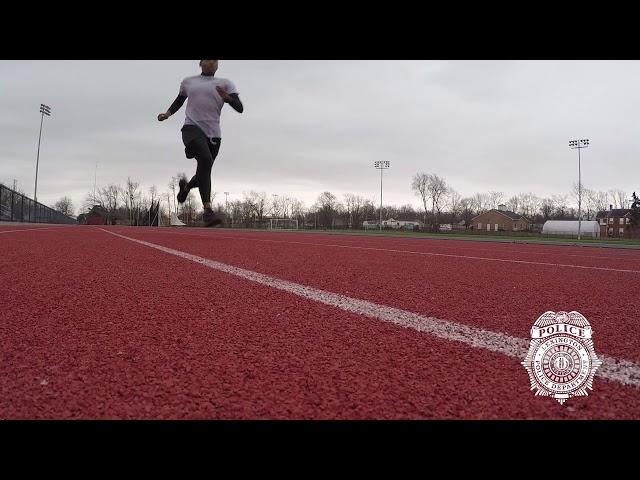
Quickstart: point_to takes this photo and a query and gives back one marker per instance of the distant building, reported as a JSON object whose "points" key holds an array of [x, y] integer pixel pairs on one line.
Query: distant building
{"points": [[616, 223], [369, 224], [394, 224], [500, 220], [588, 228], [339, 223], [96, 216]]}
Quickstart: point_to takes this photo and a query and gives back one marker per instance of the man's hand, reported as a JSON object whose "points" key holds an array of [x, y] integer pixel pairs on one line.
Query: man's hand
{"points": [[163, 116], [226, 97]]}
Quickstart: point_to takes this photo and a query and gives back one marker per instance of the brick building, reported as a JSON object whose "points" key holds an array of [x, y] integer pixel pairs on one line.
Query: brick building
{"points": [[500, 220], [616, 223]]}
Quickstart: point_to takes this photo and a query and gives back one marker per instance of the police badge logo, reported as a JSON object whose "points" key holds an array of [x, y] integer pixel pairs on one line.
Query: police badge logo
{"points": [[561, 361]]}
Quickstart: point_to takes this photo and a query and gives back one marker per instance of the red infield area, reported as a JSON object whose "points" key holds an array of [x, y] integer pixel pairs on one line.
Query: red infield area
{"points": [[148, 323]]}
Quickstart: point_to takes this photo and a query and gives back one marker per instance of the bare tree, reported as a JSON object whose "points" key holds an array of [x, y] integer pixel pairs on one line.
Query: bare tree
{"points": [[406, 212], [285, 205], [279, 206], [349, 200], [327, 206], [153, 191], [111, 194], [65, 206], [368, 211], [190, 208], [249, 214], [466, 210], [480, 202], [437, 188], [94, 198], [529, 204], [273, 206], [513, 204], [592, 201], [495, 199], [561, 209], [297, 210], [354, 209], [546, 208], [432, 187], [131, 197], [173, 183], [235, 211], [620, 198], [242, 211], [14, 185], [453, 202], [258, 203], [419, 185], [599, 202], [587, 202]]}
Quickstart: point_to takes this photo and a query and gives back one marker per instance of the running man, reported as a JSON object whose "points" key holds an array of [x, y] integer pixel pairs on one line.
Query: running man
{"points": [[201, 133]]}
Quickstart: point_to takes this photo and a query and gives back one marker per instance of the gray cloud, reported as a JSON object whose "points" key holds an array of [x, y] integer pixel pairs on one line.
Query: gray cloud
{"points": [[311, 126]]}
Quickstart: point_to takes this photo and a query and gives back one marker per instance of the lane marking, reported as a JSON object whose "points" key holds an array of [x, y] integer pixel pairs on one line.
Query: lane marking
{"points": [[621, 371]]}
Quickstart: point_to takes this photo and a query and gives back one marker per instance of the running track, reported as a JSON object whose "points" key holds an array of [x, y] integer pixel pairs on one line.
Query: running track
{"points": [[137, 323]]}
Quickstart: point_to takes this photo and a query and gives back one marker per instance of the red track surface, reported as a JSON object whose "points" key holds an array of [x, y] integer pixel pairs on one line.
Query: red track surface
{"points": [[96, 326]]}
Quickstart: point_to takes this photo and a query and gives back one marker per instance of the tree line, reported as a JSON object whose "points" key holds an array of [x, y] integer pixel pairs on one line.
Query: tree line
{"points": [[439, 202]]}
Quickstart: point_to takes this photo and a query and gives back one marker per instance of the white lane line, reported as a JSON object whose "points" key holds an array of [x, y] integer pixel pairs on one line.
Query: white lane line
{"points": [[617, 370]]}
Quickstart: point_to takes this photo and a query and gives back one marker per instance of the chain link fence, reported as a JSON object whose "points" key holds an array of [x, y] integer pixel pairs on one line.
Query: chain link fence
{"points": [[15, 207]]}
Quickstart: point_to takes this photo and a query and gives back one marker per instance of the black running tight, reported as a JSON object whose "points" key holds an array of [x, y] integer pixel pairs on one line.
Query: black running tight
{"points": [[204, 150]]}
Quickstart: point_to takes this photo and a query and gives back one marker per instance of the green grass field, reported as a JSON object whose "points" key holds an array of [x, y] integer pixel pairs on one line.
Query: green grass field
{"points": [[531, 238]]}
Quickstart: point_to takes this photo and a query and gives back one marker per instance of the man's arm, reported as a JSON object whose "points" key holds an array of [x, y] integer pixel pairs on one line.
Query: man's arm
{"points": [[236, 103], [233, 100], [175, 106]]}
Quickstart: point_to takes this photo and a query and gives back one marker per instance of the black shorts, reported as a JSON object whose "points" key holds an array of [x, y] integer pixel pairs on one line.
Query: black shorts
{"points": [[194, 140]]}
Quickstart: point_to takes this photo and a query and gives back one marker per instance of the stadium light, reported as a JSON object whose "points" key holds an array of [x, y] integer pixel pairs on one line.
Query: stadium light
{"points": [[381, 165], [44, 110], [579, 144]]}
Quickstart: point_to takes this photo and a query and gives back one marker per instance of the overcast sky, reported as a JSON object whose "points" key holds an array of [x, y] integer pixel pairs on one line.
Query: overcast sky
{"points": [[314, 126]]}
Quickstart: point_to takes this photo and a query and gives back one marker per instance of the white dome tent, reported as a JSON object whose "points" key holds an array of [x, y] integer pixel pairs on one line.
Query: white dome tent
{"points": [[588, 229]]}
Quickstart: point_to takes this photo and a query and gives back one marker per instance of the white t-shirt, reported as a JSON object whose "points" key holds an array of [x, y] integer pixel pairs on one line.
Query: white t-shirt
{"points": [[204, 104]]}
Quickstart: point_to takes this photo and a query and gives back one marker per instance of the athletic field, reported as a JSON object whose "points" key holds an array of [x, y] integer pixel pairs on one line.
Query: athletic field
{"points": [[160, 323]]}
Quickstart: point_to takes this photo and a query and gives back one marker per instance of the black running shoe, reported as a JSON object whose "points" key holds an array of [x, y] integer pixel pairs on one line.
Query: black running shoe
{"points": [[182, 194], [211, 219]]}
